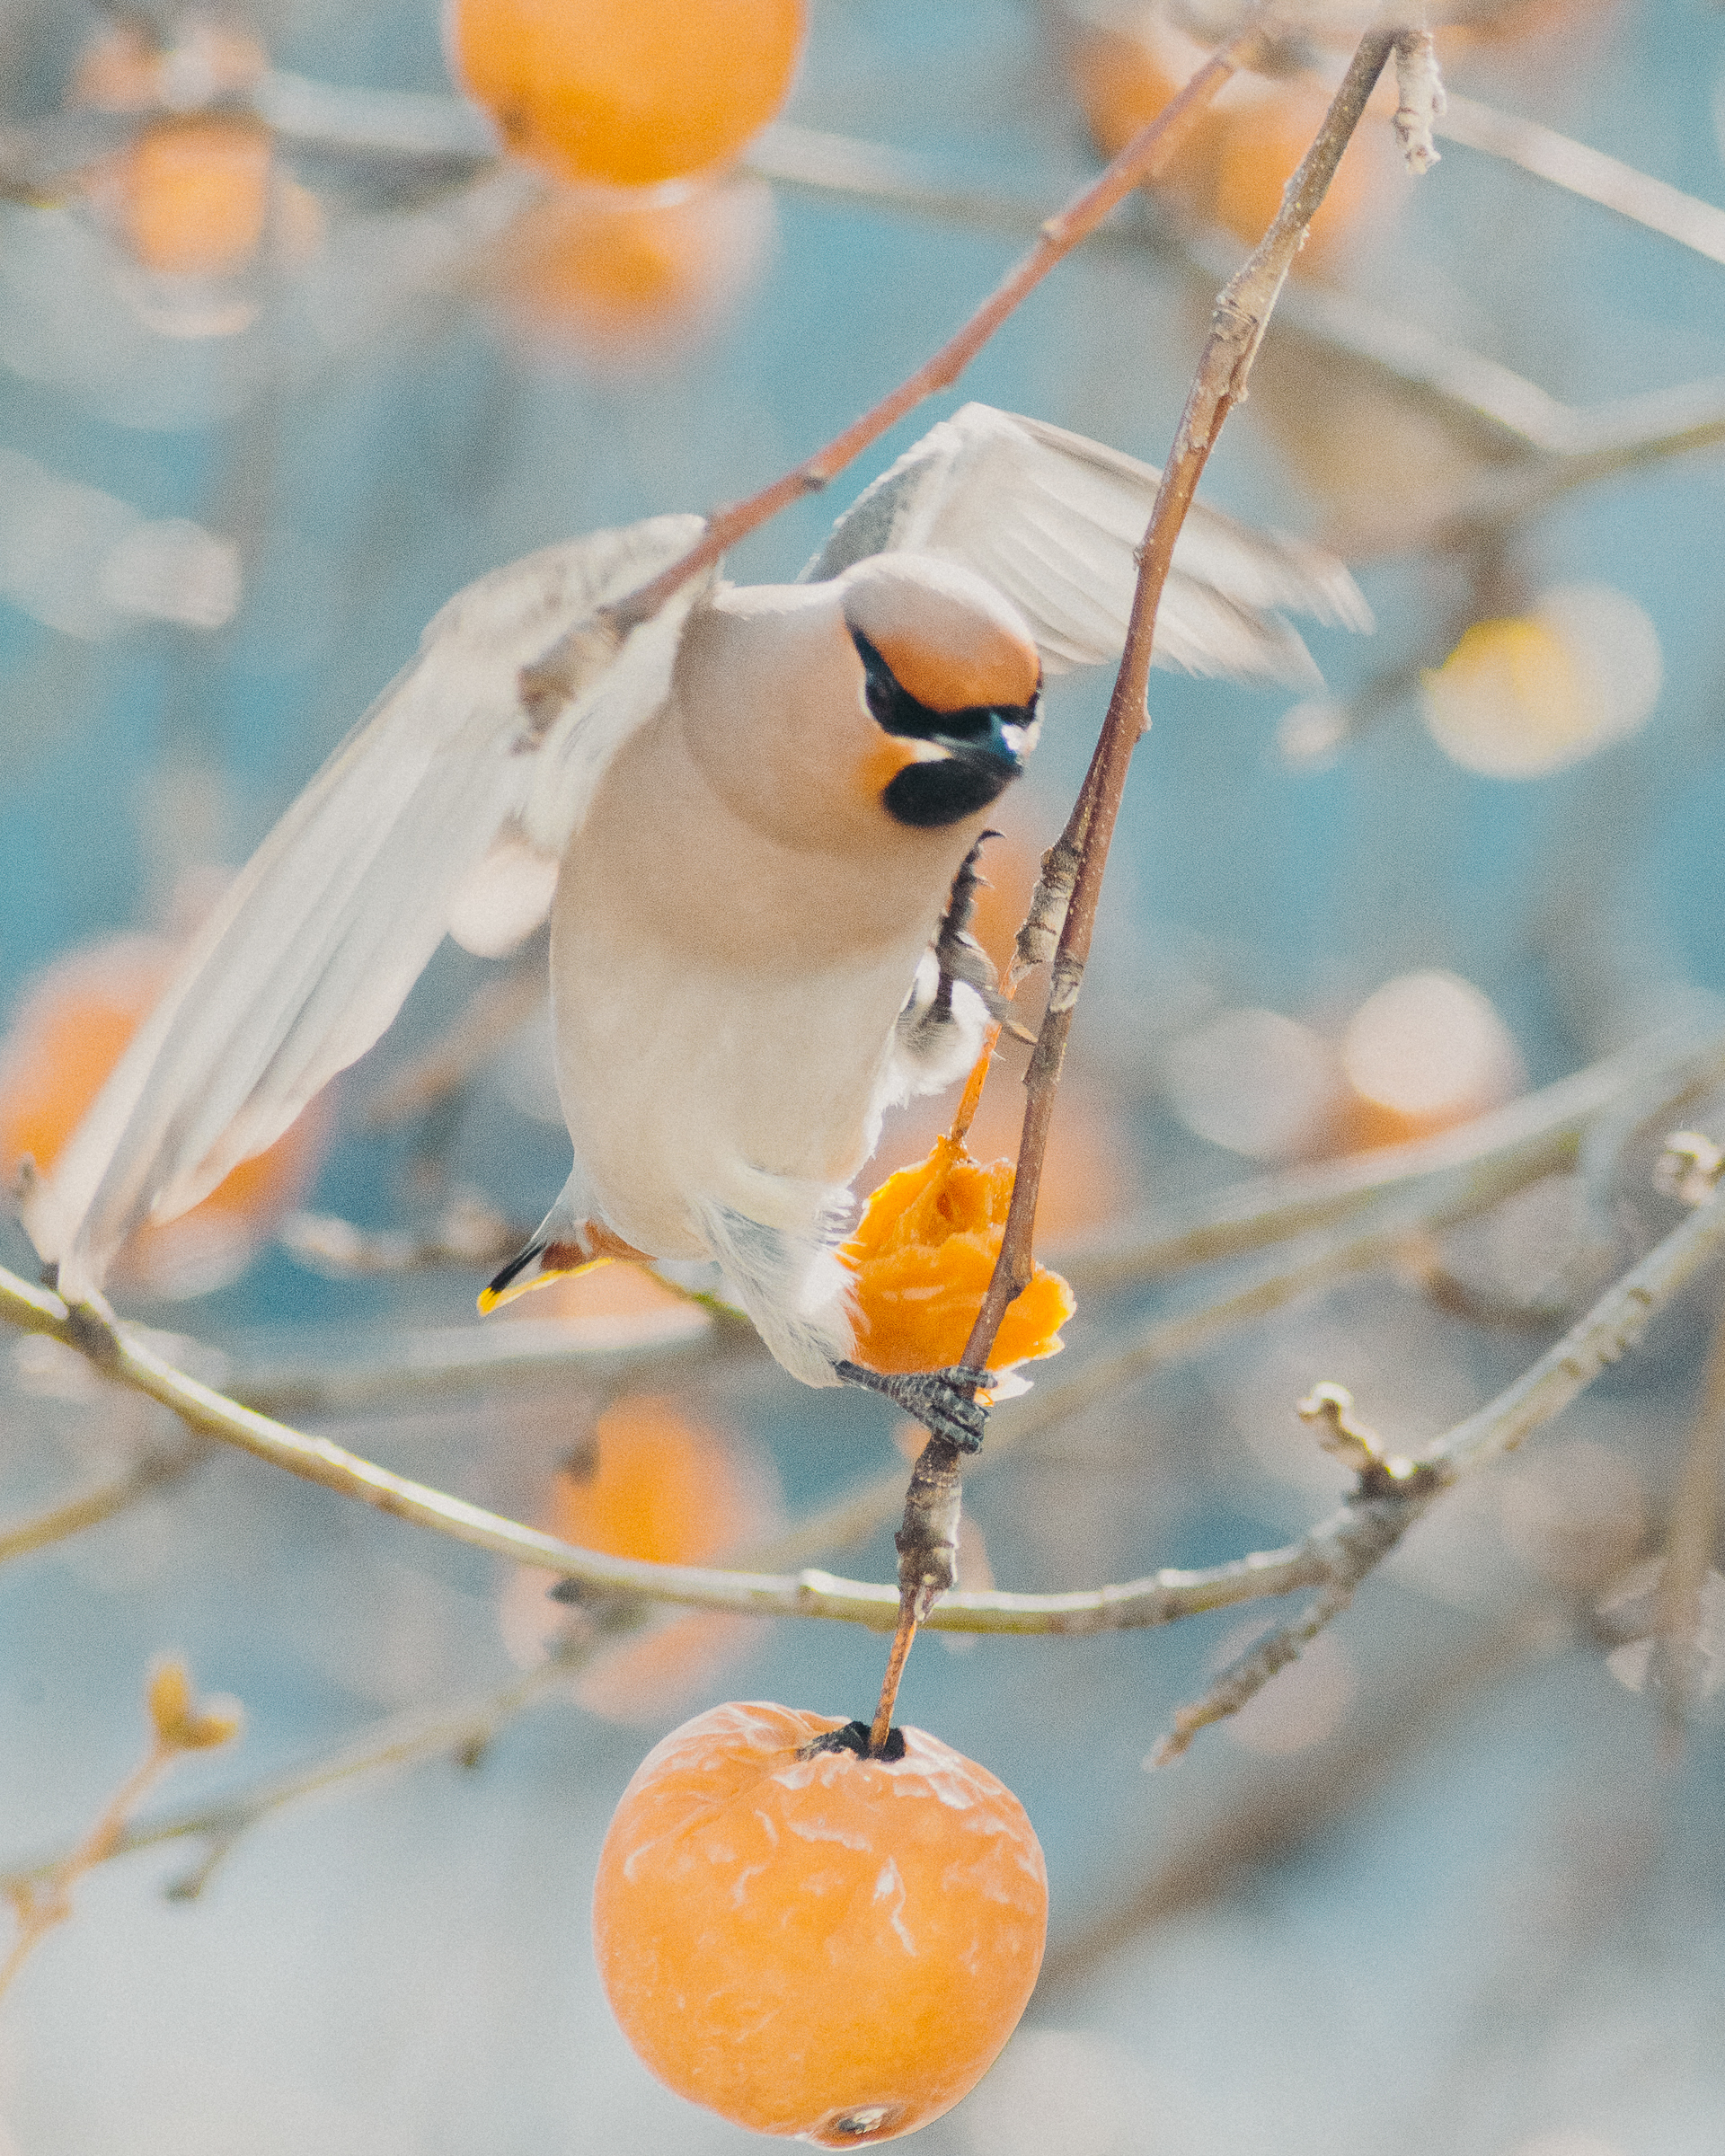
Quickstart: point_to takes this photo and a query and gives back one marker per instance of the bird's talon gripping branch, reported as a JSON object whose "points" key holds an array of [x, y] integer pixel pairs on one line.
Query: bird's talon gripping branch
{"points": [[944, 1402]]}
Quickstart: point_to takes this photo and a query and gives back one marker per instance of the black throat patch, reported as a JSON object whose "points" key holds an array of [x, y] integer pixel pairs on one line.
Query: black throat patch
{"points": [[984, 744]]}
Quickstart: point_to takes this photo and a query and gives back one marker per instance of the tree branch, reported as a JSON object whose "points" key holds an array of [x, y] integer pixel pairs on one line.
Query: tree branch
{"points": [[1373, 1520]]}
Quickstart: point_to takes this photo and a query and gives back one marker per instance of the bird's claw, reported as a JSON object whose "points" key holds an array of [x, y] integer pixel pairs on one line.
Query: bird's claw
{"points": [[944, 1402]]}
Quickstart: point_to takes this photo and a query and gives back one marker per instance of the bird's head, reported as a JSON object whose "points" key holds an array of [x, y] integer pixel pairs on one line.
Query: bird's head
{"points": [[952, 680]]}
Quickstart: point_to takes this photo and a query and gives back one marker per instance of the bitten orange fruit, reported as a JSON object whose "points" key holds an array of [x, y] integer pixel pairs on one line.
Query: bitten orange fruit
{"points": [[812, 1942], [626, 93], [67, 1032], [923, 1253]]}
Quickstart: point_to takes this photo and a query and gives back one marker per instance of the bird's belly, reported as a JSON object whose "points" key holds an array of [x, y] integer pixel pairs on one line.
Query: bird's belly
{"points": [[685, 1083]]}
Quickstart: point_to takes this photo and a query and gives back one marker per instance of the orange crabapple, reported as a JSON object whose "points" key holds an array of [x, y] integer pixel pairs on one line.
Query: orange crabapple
{"points": [[811, 1941], [626, 93]]}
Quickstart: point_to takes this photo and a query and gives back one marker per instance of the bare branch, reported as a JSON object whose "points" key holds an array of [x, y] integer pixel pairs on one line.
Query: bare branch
{"points": [[151, 1472], [558, 674], [1588, 173], [1369, 1527]]}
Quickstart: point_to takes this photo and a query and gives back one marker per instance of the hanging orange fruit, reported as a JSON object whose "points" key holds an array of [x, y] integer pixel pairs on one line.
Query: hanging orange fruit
{"points": [[626, 93], [812, 1942]]}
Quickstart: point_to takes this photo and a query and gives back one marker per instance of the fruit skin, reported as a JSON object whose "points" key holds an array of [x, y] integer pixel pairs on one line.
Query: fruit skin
{"points": [[830, 1947], [626, 93]]}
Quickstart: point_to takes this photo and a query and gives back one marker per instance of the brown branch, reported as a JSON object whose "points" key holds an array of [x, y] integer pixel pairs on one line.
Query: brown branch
{"points": [[927, 1540], [556, 676]]}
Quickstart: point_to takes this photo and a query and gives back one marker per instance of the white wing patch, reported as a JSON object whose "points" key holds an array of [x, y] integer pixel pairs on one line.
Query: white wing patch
{"points": [[1054, 521], [316, 944]]}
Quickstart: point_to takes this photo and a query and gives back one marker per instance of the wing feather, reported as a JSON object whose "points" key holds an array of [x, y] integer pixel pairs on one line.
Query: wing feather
{"points": [[1055, 520], [315, 945]]}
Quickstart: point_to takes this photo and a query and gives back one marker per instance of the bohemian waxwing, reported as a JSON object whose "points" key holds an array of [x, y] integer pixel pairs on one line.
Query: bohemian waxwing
{"points": [[746, 828]]}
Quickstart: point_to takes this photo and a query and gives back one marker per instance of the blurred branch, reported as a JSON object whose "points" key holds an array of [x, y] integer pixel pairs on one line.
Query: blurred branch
{"points": [[649, 1348], [152, 1471], [1471, 1167], [42, 1898], [461, 1732], [1283, 1807], [1588, 173], [1373, 1520], [1691, 1540]]}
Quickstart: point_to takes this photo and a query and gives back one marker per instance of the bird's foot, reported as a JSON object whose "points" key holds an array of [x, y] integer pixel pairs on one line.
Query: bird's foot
{"points": [[944, 1402]]}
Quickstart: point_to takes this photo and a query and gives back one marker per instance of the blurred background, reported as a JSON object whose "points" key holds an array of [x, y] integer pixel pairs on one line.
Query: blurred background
{"points": [[289, 353]]}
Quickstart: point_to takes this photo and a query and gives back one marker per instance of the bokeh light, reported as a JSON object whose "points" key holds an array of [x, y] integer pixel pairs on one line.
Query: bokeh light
{"points": [[1424, 1051], [1259, 1084], [1531, 694]]}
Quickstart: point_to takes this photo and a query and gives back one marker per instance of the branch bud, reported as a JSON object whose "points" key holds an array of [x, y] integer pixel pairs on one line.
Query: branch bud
{"points": [[183, 1724], [1689, 1168]]}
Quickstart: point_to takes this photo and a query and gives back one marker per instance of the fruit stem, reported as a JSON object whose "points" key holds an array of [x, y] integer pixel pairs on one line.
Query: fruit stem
{"points": [[901, 1653]]}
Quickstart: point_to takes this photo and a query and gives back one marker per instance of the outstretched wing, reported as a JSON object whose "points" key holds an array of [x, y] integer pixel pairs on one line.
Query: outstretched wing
{"points": [[442, 802], [1054, 521]]}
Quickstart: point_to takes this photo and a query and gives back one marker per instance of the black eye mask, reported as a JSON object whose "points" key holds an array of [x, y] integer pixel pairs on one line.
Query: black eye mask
{"points": [[981, 762]]}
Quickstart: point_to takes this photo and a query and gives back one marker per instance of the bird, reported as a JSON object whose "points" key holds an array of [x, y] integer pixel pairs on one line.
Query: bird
{"points": [[752, 820]]}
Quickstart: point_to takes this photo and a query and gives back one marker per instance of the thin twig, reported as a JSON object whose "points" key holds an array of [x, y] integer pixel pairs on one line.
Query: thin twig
{"points": [[928, 1538], [1588, 173], [149, 1472], [399, 1740], [1241, 313], [179, 1723]]}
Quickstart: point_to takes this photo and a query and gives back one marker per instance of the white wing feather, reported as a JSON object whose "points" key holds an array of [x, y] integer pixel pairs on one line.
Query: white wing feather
{"points": [[1053, 520], [315, 947]]}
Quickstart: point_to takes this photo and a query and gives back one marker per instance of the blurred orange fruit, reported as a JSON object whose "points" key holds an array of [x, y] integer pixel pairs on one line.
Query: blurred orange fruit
{"points": [[608, 276], [811, 1942], [192, 194], [923, 1253], [1423, 1053], [67, 1032], [1524, 694], [658, 1484], [655, 1484], [627, 92], [1232, 168]]}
